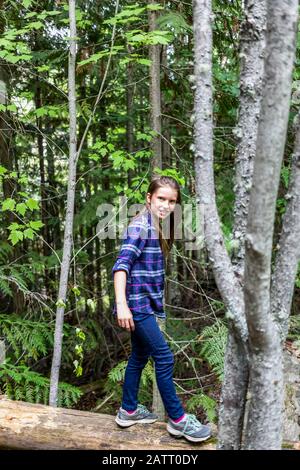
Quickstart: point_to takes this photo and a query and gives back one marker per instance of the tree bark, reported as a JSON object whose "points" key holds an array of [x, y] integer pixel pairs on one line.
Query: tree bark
{"points": [[234, 392], [252, 50], [68, 234], [263, 430]]}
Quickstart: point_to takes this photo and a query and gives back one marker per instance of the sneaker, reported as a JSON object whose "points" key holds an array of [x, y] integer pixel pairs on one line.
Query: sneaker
{"points": [[141, 415], [190, 428]]}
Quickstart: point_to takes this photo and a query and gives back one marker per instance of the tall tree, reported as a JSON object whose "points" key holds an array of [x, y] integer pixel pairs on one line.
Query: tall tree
{"points": [[68, 234]]}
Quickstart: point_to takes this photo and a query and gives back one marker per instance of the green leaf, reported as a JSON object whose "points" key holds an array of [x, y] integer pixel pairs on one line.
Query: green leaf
{"points": [[60, 303], [28, 233], [21, 208], [43, 68], [41, 111], [2, 170], [144, 61], [36, 225], [27, 3], [91, 304], [76, 291], [31, 14], [79, 371], [129, 164], [15, 236], [103, 152], [32, 204], [35, 25], [80, 334], [14, 226], [155, 6], [11, 107], [23, 180], [8, 204], [118, 188]]}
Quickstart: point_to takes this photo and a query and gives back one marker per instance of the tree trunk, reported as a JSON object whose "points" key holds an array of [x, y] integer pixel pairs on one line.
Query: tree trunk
{"points": [[263, 430], [130, 111], [166, 131], [155, 98], [68, 234], [43, 192], [234, 393]]}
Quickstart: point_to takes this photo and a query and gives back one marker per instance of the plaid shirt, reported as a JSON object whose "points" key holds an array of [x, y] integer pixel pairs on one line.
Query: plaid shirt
{"points": [[143, 260]]}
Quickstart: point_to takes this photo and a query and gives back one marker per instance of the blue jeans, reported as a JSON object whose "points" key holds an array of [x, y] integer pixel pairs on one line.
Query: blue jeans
{"points": [[147, 340]]}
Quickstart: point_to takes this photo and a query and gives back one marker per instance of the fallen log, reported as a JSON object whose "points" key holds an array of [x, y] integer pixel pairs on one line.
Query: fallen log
{"points": [[40, 427]]}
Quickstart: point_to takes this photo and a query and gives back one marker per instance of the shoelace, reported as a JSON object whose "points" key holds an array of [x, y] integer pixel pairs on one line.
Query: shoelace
{"points": [[142, 409], [193, 422]]}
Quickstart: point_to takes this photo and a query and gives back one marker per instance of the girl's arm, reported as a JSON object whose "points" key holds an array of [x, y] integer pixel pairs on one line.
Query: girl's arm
{"points": [[125, 319]]}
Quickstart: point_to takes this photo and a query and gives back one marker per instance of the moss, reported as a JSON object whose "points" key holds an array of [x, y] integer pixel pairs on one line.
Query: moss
{"points": [[287, 445]]}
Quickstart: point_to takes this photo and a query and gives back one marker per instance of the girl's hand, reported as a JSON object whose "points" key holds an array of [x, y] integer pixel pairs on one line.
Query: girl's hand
{"points": [[125, 319]]}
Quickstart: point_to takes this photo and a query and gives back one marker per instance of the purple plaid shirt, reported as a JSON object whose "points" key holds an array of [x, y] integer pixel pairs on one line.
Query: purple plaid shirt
{"points": [[142, 259]]}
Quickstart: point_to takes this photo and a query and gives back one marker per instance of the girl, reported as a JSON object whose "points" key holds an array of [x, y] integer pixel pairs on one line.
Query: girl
{"points": [[139, 289]]}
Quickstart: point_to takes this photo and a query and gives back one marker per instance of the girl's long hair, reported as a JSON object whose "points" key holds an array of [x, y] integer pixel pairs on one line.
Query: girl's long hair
{"points": [[159, 181]]}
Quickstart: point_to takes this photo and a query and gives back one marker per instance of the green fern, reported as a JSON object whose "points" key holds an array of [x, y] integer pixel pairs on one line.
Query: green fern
{"points": [[20, 383], [207, 403], [33, 338], [5, 251], [175, 21], [147, 375], [5, 286], [213, 349], [117, 374], [116, 377], [20, 275]]}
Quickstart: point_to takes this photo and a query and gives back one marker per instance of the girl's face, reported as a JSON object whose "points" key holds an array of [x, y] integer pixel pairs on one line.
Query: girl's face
{"points": [[163, 201]]}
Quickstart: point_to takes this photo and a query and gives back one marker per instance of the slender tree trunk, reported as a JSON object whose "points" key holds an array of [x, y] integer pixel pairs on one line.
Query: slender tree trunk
{"points": [[68, 234], [53, 205], [166, 147], [263, 430], [130, 111], [43, 192], [288, 254], [253, 32], [155, 93]]}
